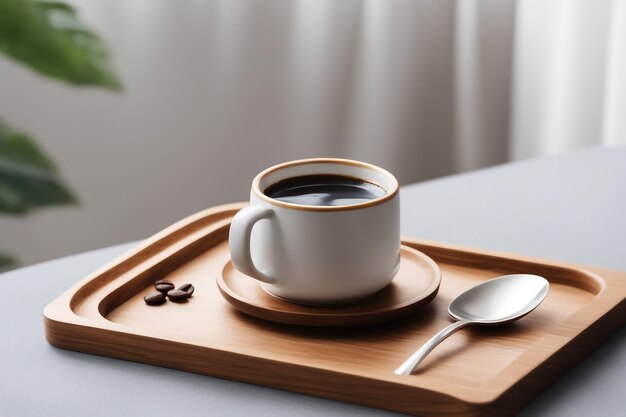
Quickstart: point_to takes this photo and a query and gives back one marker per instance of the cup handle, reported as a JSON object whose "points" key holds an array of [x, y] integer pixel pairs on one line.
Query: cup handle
{"points": [[239, 241]]}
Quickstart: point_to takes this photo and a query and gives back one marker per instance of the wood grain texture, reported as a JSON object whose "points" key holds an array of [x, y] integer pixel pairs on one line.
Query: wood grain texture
{"points": [[413, 287], [481, 371]]}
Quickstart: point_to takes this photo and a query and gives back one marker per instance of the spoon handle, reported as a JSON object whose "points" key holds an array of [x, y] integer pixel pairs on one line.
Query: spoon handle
{"points": [[413, 362]]}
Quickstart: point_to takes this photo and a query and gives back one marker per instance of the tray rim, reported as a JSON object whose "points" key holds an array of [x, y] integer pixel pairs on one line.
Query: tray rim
{"points": [[611, 296]]}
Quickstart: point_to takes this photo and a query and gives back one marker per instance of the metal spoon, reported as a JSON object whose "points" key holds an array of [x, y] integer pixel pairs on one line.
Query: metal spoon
{"points": [[497, 301]]}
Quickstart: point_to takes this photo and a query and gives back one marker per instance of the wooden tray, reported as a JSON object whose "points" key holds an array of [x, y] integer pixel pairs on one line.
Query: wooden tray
{"points": [[478, 371]]}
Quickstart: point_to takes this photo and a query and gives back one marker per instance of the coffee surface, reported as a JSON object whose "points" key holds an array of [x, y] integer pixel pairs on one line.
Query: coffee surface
{"points": [[324, 190]]}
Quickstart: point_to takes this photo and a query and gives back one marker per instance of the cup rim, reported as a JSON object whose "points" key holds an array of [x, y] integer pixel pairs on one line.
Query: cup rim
{"points": [[390, 194]]}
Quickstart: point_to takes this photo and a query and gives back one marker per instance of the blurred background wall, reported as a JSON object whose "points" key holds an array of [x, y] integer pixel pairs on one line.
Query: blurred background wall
{"points": [[216, 90]]}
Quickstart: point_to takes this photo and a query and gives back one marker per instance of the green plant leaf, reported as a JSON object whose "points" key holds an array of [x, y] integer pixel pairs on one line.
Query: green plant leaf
{"points": [[48, 37], [28, 178], [5, 261]]}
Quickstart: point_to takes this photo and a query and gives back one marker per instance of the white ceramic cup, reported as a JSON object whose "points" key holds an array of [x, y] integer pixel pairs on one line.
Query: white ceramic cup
{"points": [[319, 254]]}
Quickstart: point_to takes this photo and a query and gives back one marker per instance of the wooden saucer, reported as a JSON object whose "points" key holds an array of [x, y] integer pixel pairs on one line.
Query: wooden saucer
{"points": [[415, 285]]}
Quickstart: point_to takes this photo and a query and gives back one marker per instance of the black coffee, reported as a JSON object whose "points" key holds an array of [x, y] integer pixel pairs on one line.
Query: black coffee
{"points": [[324, 190]]}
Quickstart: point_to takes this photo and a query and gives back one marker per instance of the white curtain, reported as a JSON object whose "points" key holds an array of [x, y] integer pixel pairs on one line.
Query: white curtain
{"points": [[425, 87], [216, 90], [430, 87], [514, 79], [569, 87]]}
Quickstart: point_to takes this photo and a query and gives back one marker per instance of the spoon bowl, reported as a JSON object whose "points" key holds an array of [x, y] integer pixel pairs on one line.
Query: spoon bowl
{"points": [[497, 301], [500, 300]]}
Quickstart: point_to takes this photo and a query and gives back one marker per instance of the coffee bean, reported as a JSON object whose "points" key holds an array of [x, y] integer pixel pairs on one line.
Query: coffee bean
{"points": [[188, 288], [163, 286], [177, 295], [154, 298]]}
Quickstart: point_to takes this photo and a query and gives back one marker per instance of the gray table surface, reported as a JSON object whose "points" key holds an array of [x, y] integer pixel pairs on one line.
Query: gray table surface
{"points": [[571, 208]]}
